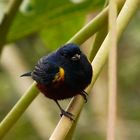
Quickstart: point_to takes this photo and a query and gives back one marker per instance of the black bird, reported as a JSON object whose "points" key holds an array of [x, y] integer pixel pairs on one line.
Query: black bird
{"points": [[63, 74]]}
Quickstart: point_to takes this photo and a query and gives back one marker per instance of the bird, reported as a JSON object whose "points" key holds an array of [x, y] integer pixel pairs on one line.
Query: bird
{"points": [[63, 74]]}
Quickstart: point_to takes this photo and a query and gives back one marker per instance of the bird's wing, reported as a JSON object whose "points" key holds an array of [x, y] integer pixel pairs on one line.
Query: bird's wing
{"points": [[44, 71]]}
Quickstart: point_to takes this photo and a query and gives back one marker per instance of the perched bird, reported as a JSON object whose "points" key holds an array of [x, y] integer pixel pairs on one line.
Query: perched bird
{"points": [[63, 74]]}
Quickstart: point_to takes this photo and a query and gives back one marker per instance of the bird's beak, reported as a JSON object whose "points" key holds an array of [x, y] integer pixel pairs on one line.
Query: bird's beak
{"points": [[26, 74], [76, 57]]}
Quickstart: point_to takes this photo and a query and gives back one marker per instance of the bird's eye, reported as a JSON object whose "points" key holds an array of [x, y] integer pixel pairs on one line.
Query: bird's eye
{"points": [[75, 57]]}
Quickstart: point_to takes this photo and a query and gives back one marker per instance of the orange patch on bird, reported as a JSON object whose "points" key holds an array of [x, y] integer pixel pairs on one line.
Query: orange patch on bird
{"points": [[59, 76]]}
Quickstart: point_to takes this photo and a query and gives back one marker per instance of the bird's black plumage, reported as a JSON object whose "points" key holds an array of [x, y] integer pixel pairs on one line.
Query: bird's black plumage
{"points": [[63, 73]]}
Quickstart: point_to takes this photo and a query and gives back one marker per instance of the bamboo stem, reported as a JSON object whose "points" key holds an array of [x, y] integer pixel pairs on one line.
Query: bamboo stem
{"points": [[18, 109], [112, 71]]}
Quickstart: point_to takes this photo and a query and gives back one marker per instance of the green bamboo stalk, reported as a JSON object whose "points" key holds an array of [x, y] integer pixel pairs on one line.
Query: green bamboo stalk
{"points": [[7, 20], [89, 29], [112, 73], [76, 105], [99, 38], [18, 109], [100, 35], [93, 26]]}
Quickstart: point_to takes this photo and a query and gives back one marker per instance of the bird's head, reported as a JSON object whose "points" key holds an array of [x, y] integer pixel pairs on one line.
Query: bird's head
{"points": [[70, 51]]}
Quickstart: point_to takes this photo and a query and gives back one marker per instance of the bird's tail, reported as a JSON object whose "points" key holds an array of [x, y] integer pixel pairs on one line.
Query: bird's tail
{"points": [[26, 74]]}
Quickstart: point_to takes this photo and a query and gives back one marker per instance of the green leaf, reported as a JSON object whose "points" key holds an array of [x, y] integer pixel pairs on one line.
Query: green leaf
{"points": [[42, 13], [58, 34]]}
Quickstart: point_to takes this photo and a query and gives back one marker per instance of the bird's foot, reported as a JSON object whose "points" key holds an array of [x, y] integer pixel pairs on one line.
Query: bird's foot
{"points": [[84, 95], [67, 114]]}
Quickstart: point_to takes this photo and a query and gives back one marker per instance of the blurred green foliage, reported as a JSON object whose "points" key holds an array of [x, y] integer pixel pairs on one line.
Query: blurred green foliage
{"points": [[45, 14]]}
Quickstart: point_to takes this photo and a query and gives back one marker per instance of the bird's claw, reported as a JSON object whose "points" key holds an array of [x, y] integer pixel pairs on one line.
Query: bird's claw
{"points": [[67, 114], [84, 95]]}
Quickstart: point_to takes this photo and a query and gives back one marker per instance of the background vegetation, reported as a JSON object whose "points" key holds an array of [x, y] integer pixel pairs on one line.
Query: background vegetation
{"points": [[39, 27]]}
